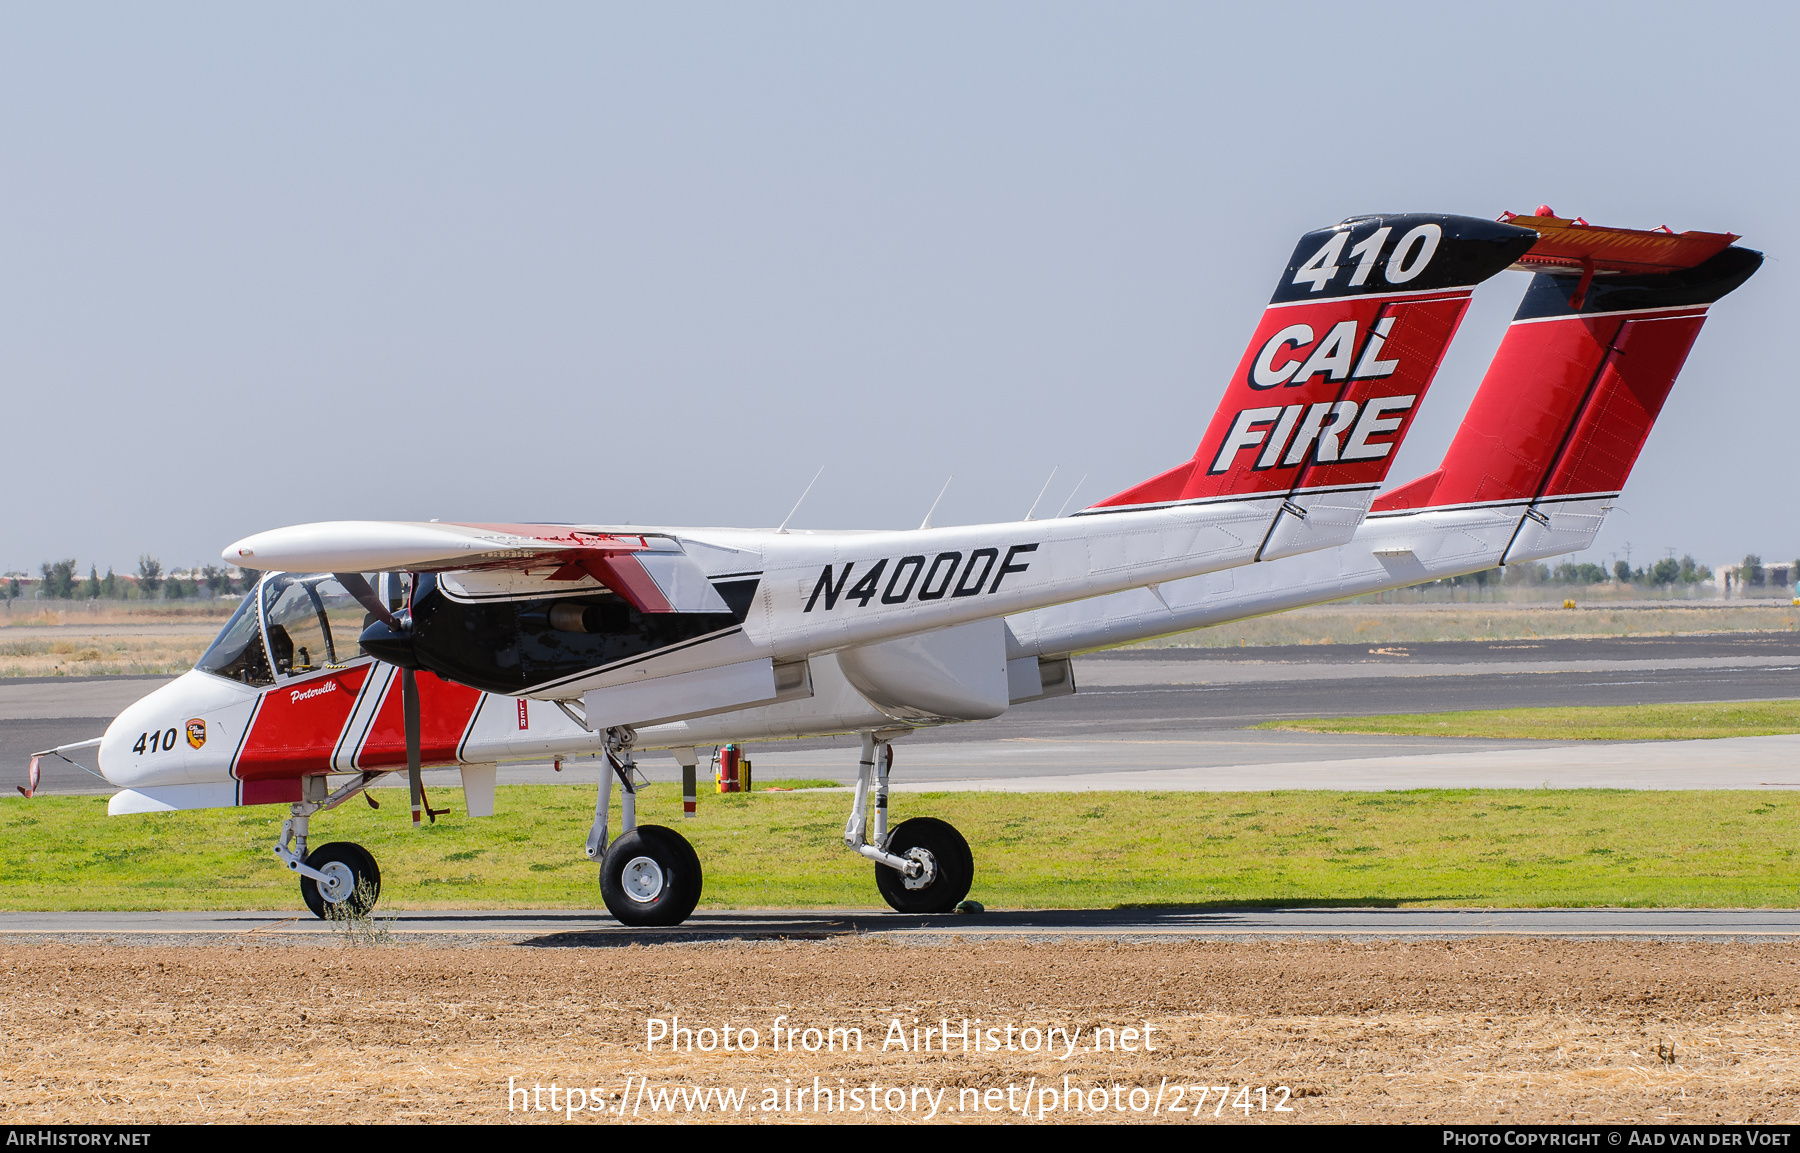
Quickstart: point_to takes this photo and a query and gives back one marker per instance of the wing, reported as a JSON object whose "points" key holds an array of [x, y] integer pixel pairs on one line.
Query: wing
{"points": [[649, 570]]}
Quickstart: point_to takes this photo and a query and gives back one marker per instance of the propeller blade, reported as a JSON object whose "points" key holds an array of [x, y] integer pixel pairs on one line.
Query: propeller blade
{"points": [[358, 586], [409, 707], [388, 637]]}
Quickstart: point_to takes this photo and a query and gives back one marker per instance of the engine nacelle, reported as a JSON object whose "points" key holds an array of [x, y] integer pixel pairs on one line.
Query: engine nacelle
{"points": [[954, 674]]}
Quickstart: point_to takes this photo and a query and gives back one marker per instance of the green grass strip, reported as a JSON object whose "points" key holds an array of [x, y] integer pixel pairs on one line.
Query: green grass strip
{"points": [[1576, 722], [1527, 847]]}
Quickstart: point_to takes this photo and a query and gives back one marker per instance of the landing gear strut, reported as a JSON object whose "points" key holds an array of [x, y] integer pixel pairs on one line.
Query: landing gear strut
{"points": [[649, 875], [924, 865]]}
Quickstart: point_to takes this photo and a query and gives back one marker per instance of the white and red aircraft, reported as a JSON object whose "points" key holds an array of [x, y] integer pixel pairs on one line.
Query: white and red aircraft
{"points": [[610, 638], [1561, 415]]}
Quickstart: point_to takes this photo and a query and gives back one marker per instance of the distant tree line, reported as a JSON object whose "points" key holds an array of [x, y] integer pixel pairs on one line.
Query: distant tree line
{"points": [[61, 580], [1665, 573]]}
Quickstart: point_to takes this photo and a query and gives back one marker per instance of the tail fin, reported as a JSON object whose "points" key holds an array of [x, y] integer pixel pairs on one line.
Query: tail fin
{"points": [[1572, 393], [1346, 349]]}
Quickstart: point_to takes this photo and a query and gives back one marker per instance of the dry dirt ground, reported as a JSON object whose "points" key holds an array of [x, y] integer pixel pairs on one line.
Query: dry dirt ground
{"points": [[1493, 1030]]}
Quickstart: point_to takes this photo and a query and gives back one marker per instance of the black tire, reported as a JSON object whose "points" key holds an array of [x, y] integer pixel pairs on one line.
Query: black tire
{"points": [[650, 876], [952, 863], [365, 880]]}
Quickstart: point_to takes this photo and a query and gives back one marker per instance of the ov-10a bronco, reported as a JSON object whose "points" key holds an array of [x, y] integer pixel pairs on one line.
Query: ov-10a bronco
{"points": [[372, 647]]}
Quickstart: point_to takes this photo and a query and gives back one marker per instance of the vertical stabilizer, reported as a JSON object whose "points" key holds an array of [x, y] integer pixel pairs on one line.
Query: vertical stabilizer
{"points": [[1340, 362]]}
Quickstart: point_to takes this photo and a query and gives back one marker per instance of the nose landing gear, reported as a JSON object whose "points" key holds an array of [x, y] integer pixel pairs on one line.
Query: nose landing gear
{"points": [[339, 879]]}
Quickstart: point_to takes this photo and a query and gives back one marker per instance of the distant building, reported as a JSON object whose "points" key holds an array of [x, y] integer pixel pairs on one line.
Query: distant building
{"points": [[1775, 576]]}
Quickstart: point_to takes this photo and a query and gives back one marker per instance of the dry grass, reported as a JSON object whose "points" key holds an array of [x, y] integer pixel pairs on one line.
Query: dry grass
{"points": [[88, 656], [32, 614], [1494, 1030], [47, 643], [100, 638]]}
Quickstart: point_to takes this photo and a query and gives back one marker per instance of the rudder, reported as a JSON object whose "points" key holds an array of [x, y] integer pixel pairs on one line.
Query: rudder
{"points": [[1569, 399]]}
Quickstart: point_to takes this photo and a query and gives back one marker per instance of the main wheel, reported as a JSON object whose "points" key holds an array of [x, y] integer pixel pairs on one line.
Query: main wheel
{"points": [[353, 885], [948, 873], [650, 876]]}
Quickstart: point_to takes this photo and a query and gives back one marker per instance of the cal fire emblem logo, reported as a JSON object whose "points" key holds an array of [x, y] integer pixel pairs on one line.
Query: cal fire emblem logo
{"points": [[196, 732]]}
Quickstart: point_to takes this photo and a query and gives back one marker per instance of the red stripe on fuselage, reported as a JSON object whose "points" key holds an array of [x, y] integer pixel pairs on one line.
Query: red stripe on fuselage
{"points": [[276, 791], [445, 709], [297, 725]]}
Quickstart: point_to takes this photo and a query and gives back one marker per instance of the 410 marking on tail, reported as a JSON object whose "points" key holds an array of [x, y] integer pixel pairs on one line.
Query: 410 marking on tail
{"points": [[1407, 260]]}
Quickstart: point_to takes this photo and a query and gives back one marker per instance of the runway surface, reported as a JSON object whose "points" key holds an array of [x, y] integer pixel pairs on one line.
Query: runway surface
{"points": [[1183, 713], [596, 928]]}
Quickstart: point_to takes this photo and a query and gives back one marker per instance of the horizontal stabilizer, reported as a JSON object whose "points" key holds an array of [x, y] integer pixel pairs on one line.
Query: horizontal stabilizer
{"points": [[1573, 245]]}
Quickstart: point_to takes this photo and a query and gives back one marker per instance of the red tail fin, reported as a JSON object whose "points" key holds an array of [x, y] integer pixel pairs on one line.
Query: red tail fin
{"points": [[1569, 399], [1346, 349]]}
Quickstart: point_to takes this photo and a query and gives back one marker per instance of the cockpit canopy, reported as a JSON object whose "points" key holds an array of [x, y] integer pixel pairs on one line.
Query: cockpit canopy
{"points": [[292, 624]]}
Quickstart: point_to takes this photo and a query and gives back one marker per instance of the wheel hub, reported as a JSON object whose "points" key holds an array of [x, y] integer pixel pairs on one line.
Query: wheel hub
{"points": [[339, 882], [642, 880], [927, 869]]}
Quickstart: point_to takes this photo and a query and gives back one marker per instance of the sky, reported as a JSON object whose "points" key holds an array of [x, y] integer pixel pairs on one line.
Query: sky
{"points": [[660, 264]]}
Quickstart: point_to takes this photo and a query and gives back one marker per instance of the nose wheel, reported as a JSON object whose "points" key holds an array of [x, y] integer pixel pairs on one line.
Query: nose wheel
{"points": [[351, 884], [650, 876]]}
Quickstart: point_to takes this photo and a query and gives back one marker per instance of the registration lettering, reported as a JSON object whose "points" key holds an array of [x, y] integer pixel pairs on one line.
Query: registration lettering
{"points": [[918, 578]]}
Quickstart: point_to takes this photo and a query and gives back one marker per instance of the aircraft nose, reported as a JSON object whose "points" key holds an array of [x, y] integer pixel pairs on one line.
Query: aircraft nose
{"points": [[114, 756], [184, 732]]}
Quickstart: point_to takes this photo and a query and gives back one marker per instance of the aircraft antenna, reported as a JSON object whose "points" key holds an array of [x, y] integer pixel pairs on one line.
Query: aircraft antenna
{"points": [[802, 500], [1042, 491], [1072, 492], [926, 523]]}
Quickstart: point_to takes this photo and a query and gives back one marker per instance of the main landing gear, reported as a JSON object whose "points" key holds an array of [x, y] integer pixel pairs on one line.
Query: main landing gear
{"points": [[650, 875], [924, 865], [336, 880]]}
